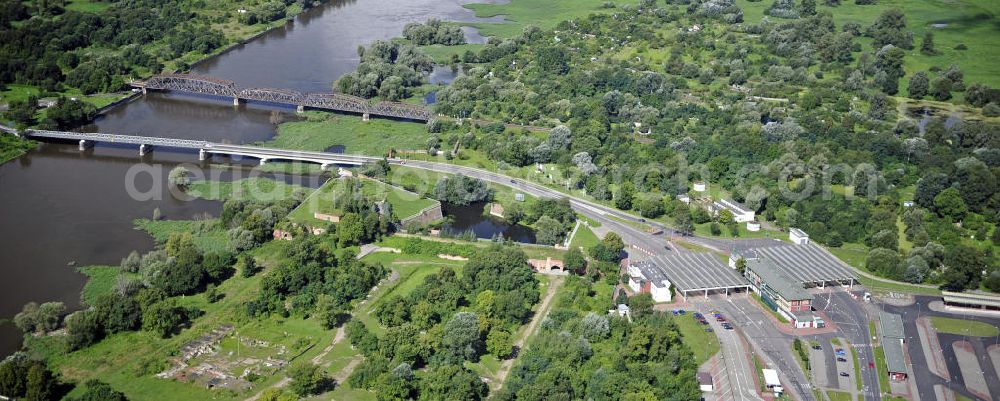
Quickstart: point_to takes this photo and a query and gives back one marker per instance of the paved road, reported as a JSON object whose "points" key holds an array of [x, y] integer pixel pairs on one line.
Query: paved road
{"points": [[850, 317], [775, 347], [737, 378], [923, 378]]}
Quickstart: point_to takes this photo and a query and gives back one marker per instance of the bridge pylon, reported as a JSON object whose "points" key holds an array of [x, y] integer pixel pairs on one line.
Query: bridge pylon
{"points": [[203, 155], [145, 149], [236, 101], [84, 144]]}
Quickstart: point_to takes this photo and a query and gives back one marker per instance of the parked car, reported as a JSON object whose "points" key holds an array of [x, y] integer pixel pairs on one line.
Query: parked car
{"points": [[871, 365], [817, 347], [708, 330], [841, 359], [698, 315], [682, 311], [844, 374]]}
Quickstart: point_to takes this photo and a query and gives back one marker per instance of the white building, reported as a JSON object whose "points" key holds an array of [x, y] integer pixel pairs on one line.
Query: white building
{"points": [[798, 237], [646, 278], [684, 198], [740, 213], [700, 186], [753, 226]]}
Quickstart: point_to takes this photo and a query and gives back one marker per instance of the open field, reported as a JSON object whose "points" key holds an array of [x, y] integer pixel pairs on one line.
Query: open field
{"points": [[375, 137], [87, 6], [963, 327], [404, 203], [969, 22], [21, 92], [254, 188], [543, 14], [584, 238], [702, 344], [212, 238], [100, 280]]}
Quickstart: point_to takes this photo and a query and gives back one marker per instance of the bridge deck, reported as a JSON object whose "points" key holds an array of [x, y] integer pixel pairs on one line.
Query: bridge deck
{"points": [[208, 147], [206, 85]]}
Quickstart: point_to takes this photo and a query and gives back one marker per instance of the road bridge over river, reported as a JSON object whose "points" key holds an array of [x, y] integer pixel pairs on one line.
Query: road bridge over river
{"points": [[205, 85], [205, 148]]}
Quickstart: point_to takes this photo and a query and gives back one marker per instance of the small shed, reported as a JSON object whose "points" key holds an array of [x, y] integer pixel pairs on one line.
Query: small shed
{"points": [[797, 236]]}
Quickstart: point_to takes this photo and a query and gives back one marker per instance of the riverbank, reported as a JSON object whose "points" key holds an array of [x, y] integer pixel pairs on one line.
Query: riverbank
{"points": [[12, 147]]}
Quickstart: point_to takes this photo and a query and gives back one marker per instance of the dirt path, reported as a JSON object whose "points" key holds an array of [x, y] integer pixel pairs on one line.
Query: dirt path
{"points": [[543, 310], [342, 375], [337, 338]]}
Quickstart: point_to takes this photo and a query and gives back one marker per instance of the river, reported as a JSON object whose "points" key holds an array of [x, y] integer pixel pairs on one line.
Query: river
{"points": [[61, 208]]}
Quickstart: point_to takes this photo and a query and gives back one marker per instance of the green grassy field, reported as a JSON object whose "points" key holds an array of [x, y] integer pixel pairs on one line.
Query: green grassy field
{"points": [[970, 22], [213, 239], [374, 137], [21, 92], [254, 188], [543, 14], [87, 6], [100, 280], [12, 147], [584, 238], [404, 203], [964, 327], [706, 231], [702, 344]]}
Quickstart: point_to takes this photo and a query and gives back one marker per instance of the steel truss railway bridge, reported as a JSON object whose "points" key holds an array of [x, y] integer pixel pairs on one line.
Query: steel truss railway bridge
{"points": [[205, 148], [212, 86]]}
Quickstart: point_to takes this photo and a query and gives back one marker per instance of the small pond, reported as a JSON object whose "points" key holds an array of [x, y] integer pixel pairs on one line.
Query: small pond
{"points": [[471, 218]]}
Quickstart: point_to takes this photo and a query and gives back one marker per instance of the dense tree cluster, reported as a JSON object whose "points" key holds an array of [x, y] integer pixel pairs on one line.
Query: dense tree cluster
{"points": [[462, 190], [433, 32], [581, 353], [364, 219], [314, 279], [808, 135], [27, 379], [55, 49], [426, 330], [387, 70]]}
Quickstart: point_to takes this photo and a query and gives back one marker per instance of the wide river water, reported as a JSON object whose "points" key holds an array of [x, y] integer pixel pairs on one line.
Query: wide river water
{"points": [[61, 208]]}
